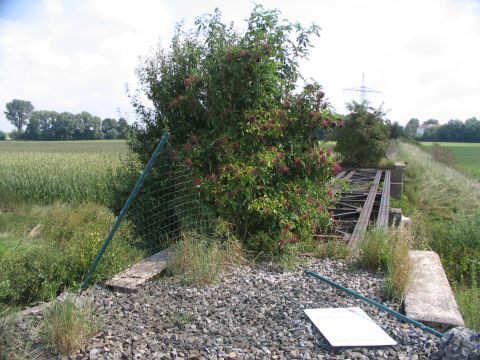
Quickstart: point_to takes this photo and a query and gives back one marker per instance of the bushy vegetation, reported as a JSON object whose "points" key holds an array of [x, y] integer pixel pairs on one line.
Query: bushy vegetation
{"points": [[3, 136], [228, 99], [46, 172], [39, 260], [363, 140], [388, 251], [458, 244], [442, 155]]}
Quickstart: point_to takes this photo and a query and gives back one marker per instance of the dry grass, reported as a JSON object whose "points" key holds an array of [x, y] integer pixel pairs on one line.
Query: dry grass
{"points": [[438, 190], [67, 326], [333, 250], [200, 259]]}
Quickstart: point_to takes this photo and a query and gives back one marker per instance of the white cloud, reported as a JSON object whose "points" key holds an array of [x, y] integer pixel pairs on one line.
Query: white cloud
{"points": [[422, 55]]}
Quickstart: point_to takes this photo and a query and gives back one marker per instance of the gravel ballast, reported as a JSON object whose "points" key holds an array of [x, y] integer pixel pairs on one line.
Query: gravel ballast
{"points": [[252, 313]]}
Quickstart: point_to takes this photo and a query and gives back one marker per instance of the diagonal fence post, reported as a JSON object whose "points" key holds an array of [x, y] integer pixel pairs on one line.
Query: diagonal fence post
{"points": [[125, 208]]}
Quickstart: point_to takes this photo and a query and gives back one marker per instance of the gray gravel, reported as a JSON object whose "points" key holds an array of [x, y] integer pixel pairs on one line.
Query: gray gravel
{"points": [[253, 313]]}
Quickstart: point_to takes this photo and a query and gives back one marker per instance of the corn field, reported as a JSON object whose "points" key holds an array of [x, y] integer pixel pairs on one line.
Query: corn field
{"points": [[71, 172]]}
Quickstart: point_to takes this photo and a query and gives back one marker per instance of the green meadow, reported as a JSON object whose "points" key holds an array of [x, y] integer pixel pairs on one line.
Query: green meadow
{"points": [[467, 156]]}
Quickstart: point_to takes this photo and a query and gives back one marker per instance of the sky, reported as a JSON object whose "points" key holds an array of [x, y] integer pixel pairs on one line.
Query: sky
{"points": [[423, 56]]}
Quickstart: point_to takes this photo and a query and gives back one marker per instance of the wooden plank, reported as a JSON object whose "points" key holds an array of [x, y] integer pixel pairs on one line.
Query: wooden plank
{"points": [[134, 277], [364, 217], [383, 211]]}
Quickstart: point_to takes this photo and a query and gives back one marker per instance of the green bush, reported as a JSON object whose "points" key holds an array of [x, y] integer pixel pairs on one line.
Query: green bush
{"points": [[31, 274], [62, 253], [228, 99], [3, 136], [443, 155], [79, 234], [363, 140]]}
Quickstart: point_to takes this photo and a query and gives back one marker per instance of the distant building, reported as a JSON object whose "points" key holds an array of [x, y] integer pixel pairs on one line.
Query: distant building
{"points": [[421, 129]]}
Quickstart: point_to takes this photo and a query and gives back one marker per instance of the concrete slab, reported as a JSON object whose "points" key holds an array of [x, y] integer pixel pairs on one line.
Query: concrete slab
{"points": [[429, 297], [131, 279]]}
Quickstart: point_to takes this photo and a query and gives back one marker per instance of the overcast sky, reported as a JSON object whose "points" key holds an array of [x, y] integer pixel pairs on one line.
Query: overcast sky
{"points": [[422, 55]]}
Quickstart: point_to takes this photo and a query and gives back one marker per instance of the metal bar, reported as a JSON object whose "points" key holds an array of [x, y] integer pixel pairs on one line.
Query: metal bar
{"points": [[347, 177], [125, 208], [362, 222], [383, 210], [340, 175], [374, 303]]}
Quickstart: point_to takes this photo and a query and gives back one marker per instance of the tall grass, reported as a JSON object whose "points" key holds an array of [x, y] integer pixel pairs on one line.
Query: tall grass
{"points": [[435, 189], [199, 259], [387, 250], [67, 326], [449, 204], [72, 172]]}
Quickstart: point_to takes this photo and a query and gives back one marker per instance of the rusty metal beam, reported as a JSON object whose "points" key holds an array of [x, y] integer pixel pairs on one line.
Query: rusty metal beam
{"points": [[383, 210], [364, 217]]}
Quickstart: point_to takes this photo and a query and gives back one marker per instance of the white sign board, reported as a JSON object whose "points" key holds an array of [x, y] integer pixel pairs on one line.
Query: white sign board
{"points": [[348, 327]]}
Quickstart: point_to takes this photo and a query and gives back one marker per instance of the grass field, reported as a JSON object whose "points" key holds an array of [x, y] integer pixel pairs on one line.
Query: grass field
{"points": [[53, 217], [467, 156], [66, 171]]}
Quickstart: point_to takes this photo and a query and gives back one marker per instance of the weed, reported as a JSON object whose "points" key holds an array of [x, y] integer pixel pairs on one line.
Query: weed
{"points": [[469, 302], [333, 250], [67, 326], [388, 251], [443, 155], [200, 259], [386, 163]]}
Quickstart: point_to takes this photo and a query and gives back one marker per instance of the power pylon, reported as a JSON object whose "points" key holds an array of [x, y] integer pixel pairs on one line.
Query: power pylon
{"points": [[362, 90]]}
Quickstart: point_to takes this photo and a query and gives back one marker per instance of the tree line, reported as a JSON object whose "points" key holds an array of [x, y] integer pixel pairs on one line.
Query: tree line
{"points": [[454, 130], [52, 125]]}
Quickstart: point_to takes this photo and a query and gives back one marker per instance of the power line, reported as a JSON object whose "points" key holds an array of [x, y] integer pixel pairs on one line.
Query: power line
{"points": [[362, 90]]}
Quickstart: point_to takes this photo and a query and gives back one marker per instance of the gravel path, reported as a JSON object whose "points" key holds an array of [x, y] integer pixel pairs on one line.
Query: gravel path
{"points": [[253, 313]]}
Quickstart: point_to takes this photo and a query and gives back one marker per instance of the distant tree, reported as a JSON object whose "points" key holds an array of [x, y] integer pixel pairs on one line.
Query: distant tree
{"points": [[396, 130], [431, 122], [453, 130], [363, 140], [411, 127], [123, 128], [109, 128], [3, 136], [472, 130], [40, 126], [18, 113], [89, 126], [63, 126]]}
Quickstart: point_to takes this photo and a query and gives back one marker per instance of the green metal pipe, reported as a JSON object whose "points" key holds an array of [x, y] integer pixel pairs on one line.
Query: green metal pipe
{"points": [[125, 208], [374, 303]]}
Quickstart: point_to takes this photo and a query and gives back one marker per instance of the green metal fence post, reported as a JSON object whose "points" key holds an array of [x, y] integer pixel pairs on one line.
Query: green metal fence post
{"points": [[374, 303], [125, 208]]}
